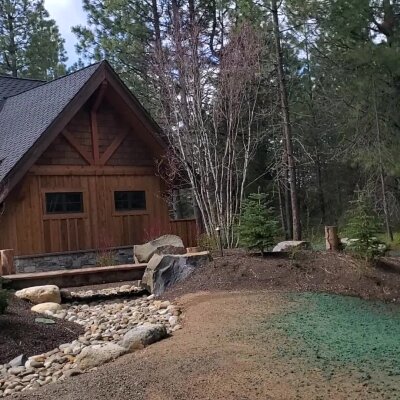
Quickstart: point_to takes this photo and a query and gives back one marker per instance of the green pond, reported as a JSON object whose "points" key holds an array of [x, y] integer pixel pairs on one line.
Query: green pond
{"points": [[334, 333]]}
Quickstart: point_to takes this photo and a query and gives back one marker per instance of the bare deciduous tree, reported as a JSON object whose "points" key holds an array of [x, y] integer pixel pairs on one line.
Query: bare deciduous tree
{"points": [[210, 115]]}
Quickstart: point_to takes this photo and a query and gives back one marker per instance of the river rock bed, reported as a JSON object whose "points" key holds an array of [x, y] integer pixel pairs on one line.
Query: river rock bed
{"points": [[101, 294], [103, 321]]}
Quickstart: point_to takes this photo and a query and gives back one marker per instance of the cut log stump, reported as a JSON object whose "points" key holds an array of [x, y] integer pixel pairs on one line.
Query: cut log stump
{"points": [[332, 238], [7, 266]]}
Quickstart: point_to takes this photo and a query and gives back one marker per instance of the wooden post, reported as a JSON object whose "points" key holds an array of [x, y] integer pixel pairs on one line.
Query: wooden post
{"points": [[332, 238], [7, 266]]}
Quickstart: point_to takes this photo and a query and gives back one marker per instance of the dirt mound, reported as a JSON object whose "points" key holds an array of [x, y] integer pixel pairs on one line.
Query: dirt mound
{"points": [[21, 334], [306, 271]]}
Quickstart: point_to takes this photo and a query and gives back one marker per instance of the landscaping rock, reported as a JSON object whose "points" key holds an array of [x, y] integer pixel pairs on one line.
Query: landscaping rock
{"points": [[45, 307], [96, 355], [18, 361], [46, 321], [106, 326], [289, 244], [40, 294], [164, 271], [167, 244], [143, 335]]}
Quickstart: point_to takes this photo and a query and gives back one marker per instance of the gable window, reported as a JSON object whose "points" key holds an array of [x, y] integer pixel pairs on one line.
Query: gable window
{"points": [[64, 203], [130, 200]]}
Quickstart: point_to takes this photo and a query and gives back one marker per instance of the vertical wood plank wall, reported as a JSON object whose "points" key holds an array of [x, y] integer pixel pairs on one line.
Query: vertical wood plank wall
{"points": [[26, 227]]}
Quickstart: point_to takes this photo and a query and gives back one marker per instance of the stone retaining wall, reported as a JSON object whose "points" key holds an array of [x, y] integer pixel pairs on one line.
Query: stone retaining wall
{"points": [[70, 260]]}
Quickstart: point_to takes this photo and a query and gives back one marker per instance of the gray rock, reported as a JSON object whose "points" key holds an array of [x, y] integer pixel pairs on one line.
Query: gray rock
{"points": [[18, 361], [143, 335], [167, 244], [93, 356], [164, 271], [290, 244]]}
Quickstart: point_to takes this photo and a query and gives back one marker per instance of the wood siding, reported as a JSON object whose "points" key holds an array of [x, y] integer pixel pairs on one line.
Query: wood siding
{"points": [[123, 162]]}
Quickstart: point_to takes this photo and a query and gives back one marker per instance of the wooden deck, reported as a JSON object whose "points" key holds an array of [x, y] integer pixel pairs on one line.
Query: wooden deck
{"points": [[76, 277]]}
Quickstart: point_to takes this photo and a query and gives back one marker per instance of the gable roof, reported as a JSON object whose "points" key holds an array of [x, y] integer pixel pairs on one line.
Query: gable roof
{"points": [[10, 86], [30, 120]]}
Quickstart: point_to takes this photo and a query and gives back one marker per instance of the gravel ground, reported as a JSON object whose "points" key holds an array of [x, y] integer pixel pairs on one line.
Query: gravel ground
{"points": [[223, 352]]}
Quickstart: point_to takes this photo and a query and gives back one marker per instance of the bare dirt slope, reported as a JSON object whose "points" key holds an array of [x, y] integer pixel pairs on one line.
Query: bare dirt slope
{"points": [[222, 353]]}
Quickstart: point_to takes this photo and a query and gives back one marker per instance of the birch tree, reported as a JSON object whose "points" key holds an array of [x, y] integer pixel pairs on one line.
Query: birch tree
{"points": [[212, 121]]}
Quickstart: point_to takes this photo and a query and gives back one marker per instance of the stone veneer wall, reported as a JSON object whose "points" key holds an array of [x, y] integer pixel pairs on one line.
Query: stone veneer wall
{"points": [[70, 260]]}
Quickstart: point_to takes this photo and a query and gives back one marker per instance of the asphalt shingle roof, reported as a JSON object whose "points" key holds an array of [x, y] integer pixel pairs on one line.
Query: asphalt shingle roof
{"points": [[10, 86], [26, 116]]}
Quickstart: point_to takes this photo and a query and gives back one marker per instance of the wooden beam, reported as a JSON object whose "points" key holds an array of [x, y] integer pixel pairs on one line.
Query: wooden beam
{"points": [[99, 96], [93, 122], [95, 137], [76, 145], [111, 149], [90, 170]]}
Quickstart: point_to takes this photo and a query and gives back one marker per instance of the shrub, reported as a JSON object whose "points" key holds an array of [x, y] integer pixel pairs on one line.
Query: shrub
{"points": [[362, 228], [258, 226], [208, 242], [106, 258]]}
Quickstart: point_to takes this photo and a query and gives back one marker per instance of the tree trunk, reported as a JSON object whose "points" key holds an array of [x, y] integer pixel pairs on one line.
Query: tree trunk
{"points": [[385, 204], [382, 172], [286, 126], [321, 197], [282, 209], [198, 218], [12, 48], [332, 238]]}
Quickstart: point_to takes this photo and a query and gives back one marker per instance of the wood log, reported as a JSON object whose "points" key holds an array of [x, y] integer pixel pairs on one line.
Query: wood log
{"points": [[7, 266], [193, 249], [332, 238]]}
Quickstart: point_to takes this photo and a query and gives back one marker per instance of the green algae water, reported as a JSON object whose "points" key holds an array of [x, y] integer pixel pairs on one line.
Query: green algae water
{"points": [[333, 332]]}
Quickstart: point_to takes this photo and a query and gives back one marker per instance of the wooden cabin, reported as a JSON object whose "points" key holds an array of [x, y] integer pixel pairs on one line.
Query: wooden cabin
{"points": [[78, 166]]}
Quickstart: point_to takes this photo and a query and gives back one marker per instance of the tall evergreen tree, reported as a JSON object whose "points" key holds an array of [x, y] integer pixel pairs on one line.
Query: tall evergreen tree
{"points": [[30, 42], [119, 31]]}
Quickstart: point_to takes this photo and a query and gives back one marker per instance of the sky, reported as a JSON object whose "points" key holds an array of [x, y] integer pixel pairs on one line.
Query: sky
{"points": [[67, 13]]}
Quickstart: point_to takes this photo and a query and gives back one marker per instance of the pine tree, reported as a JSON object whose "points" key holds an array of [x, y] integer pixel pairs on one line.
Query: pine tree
{"points": [[121, 32], [30, 42], [258, 226], [363, 226]]}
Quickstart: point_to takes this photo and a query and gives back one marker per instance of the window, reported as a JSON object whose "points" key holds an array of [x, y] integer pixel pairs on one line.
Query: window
{"points": [[130, 201], [64, 203]]}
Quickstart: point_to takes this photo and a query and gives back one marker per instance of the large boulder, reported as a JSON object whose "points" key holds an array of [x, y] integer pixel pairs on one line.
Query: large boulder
{"points": [[164, 271], [98, 354], [167, 244], [44, 308], [40, 294], [143, 335], [290, 244]]}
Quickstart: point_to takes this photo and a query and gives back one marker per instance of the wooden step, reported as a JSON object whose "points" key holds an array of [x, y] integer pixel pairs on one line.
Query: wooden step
{"points": [[76, 277]]}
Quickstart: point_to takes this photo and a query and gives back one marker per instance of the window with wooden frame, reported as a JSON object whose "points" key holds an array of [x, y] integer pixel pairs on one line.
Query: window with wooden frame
{"points": [[130, 200], [64, 202]]}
